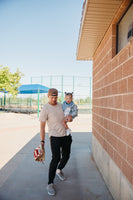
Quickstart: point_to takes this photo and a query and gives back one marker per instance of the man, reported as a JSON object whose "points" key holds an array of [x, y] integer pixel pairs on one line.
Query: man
{"points": [[52, 113]]}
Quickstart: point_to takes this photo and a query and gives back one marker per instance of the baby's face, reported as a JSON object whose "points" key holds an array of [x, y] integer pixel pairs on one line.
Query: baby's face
{"points": [[68, 99]]}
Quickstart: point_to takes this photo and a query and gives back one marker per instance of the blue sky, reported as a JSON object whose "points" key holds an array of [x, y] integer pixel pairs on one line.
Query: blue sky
{"points": [[40, 37]]}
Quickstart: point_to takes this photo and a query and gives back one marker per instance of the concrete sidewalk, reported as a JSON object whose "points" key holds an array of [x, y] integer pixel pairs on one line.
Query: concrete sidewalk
{"points": [[21, 178]]}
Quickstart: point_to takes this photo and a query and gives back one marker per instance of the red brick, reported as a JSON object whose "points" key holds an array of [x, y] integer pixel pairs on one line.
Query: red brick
{"points": [[122, 86], [103, 91], [104, 102], [105, 145], [107, 113], [103, 132], [130, 155], [118, 73], [108, 90], [127, 136], [130, 120], [107, 68], [131, 48], [130, 84], [101, 121], [122, 117], [124, 55], [111, 101], [121, 148], [118, 103], [110, 126], [111, 77], [114, 115], [114, 49], [112, 140], [117, 130], [128, 102], [105, 123], [127, 171], [110, 151], [94, 132], [100, 139], [109, 56], [127, 68], [114, 62], [118, 159], [117, 144], [106, 80], [115, 88]]}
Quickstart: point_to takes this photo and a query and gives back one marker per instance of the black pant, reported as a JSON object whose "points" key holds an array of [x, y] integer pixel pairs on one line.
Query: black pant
{"points": [[60, 147]]}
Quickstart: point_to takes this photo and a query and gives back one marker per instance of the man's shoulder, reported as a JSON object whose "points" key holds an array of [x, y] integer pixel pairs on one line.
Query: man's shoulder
{"points": [[45, 106], [60, 104]]}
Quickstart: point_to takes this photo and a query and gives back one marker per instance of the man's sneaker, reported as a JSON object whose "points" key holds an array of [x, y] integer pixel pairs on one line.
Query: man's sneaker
{"points": [[68, 131], [51, 189], [60, 174]]}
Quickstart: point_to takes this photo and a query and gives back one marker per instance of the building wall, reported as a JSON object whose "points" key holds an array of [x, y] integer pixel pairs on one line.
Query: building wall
{"points": [[113, 109]]}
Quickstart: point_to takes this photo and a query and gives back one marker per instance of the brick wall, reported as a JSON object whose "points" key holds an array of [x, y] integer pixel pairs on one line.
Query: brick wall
{"points": [[113, 101]]}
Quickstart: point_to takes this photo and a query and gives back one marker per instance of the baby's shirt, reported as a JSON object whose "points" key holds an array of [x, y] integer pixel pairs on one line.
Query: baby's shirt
{"points": [[70, 109]]}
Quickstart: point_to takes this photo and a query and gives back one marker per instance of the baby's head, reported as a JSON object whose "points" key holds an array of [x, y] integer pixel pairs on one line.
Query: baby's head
{"points": [[68, 97]]}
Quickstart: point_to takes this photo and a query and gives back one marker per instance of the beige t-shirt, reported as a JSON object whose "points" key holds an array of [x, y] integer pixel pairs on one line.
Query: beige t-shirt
{"points": [[53, 115]]}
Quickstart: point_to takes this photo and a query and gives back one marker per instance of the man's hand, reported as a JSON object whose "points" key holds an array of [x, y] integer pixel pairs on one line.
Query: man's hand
{"points": [[42, 145], [39, 153]]}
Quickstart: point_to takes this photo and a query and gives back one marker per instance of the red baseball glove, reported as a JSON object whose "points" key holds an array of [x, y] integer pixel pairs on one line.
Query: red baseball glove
{"points": [[39, 154]]}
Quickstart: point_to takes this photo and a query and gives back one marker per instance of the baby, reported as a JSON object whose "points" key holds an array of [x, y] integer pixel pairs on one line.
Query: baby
{"points": [[70, 111]]}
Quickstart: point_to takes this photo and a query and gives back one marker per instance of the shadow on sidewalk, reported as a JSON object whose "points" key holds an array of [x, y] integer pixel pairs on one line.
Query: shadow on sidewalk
{"points": [[24, 179]]}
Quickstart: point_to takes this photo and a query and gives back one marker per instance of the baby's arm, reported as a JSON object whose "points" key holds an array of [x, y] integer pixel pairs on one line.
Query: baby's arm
{"points": [[74, 111], [69, 118]]}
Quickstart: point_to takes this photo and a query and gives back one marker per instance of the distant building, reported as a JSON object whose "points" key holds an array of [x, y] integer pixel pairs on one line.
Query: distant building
{"points": [[106, 37]]}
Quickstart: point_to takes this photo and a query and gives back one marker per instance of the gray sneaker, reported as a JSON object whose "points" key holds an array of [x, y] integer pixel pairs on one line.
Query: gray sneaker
{"points": [[60, 175], [51, 189]]}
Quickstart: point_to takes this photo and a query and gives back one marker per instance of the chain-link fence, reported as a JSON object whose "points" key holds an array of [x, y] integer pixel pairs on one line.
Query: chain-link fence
{"points": [[81, 86]]}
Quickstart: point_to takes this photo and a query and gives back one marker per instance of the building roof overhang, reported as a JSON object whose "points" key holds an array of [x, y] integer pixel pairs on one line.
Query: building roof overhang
{"points": [[97, 15]]}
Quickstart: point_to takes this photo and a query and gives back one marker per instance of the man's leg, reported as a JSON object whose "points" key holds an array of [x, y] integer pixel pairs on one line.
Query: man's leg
{"points": [[66, 149], [55, 148]]}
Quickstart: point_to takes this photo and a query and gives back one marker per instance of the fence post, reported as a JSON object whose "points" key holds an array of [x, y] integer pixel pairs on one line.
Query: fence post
{"points": [[9, 102], [38, 105], [41, 93], [27, 102], [1, 103], [4, 100], [62, 89], [31, 96]]}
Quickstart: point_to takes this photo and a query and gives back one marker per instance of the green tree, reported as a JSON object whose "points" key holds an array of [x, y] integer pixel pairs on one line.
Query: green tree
{"points": [[82, 101], [9, 81], [88, 100]]}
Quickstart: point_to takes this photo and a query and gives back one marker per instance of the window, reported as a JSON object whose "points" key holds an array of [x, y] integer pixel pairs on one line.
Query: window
{"points": [[125, 29]]}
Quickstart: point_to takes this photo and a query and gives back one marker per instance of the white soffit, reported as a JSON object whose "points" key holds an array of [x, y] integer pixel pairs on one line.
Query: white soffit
{"points": [[97, 16]]}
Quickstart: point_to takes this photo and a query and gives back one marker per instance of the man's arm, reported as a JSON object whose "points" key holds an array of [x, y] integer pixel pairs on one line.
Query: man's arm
{"points": [[42, 132]]}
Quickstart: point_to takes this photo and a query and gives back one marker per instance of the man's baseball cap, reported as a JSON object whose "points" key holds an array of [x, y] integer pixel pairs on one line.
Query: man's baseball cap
{"points": [[52, 92]]}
